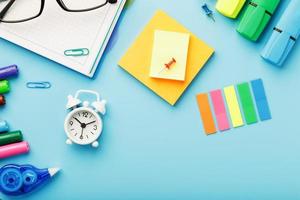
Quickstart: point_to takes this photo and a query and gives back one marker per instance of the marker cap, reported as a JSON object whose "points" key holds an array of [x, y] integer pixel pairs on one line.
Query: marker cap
{"points": [[8, 71], [11, 137], [3, 126], [14, 149], [4, 86], [2, 100]]}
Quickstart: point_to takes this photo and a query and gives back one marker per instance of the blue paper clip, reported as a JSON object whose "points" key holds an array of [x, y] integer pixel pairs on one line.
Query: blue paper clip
{"points": [[208, 12], [77, 52], [38, 85]]}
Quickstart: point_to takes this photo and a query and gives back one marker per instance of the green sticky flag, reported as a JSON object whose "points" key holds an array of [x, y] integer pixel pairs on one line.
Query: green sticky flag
{"points": [[247, 103]]}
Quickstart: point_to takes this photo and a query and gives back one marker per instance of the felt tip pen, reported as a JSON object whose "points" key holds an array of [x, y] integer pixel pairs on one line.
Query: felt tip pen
{"points": [[4, 86], [3, 126], [16, 180], [8, 71], [2, 100], [14, 149], [11, 137]]}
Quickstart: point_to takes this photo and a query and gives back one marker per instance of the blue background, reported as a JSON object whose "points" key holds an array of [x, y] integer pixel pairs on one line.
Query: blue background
{"points": [[149, 149]]}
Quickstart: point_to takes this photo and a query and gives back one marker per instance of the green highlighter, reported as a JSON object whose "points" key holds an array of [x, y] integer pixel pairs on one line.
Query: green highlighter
{"points": [[256, 18], [247, 103]]}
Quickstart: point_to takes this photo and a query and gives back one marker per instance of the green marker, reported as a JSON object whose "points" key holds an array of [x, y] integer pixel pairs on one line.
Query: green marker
{"points": [[11, 137], [247, 103], [4, 86], [256, 18]]}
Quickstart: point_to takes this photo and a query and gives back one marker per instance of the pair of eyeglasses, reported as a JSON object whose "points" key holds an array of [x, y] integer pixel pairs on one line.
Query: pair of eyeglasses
{"points": [[16, 11]]}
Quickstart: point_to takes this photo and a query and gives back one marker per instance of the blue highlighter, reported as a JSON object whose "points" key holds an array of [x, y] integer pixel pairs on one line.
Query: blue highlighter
{"points": [[16, 180], [284, 35]]}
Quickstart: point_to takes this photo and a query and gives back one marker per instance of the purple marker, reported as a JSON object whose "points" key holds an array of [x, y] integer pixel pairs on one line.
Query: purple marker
{"points": [[8, 71]]}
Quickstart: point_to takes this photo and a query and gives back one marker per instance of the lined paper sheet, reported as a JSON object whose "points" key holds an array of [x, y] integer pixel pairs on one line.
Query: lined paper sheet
{"points": [[57, 30]]}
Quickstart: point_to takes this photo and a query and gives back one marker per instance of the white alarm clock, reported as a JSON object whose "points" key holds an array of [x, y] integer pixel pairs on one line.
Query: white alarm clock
{"points": [[83, 125]]}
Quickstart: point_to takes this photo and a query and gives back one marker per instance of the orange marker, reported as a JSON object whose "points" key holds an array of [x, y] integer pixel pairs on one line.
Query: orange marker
{"points": [[206, 114]]}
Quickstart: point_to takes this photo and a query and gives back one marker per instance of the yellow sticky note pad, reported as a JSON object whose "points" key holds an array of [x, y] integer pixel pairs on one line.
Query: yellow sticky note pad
{"points": [[233, 106], [169, 48], [137, 59]]}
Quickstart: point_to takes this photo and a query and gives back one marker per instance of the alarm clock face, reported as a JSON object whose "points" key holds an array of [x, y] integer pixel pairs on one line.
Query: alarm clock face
{"points": [[83, 126]]}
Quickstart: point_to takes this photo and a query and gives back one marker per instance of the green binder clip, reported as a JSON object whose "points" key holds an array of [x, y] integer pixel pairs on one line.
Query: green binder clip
{"points": [[256, 17], [77, 52]]}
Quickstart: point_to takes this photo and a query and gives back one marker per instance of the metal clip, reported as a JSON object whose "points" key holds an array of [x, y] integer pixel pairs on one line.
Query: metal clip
{"points": [[77, 52], [38, 85]]}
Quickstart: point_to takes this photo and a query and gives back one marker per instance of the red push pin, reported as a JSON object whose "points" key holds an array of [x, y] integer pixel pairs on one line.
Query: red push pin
{"points": [[169, 64]]}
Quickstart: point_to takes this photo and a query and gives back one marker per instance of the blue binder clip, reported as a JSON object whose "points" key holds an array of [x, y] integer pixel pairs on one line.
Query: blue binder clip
{"points": [[284, 35]]}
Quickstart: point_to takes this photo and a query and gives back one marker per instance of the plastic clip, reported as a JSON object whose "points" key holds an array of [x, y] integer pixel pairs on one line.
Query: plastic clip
{"points": [[77, 52], [38, 85]]}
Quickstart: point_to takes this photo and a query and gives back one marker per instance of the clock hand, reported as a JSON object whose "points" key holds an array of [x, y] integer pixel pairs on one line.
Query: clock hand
{"points": [[81, 136], [77, 120], [90, 123]]}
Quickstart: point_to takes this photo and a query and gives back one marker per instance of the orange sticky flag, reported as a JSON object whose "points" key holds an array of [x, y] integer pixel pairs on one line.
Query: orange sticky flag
{"points": [[206, 114]]}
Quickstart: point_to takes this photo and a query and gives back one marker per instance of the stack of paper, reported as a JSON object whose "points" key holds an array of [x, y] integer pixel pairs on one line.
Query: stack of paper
{"points": [[57, 30]]}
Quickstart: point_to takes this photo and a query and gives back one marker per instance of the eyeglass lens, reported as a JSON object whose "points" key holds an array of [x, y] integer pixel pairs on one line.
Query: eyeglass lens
{"points": [[22, 10], [77, 5], [17, 10]]}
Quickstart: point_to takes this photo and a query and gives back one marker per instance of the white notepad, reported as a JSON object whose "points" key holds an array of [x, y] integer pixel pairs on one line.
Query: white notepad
{"points": [[57, 30]]}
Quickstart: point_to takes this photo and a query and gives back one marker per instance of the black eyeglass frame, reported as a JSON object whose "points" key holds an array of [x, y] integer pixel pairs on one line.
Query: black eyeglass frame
{"points": [[60, 3]]}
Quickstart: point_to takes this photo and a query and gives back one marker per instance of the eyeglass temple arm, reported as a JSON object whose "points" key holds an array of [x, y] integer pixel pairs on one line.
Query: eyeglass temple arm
{"points": [[6, 8]]}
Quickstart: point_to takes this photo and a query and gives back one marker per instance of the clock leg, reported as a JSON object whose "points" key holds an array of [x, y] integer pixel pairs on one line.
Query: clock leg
{"points": [[68, 141], [95, 144]]}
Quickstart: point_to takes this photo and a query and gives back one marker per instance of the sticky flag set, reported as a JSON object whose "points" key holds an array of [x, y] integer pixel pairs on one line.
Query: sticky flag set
{"points": [[233, 106]]}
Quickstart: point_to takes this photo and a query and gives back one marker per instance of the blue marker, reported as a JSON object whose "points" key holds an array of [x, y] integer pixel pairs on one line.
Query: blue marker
{"points": [[18, 180], [284, 36]]}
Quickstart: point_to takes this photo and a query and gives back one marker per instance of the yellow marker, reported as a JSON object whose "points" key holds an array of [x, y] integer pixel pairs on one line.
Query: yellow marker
{"points": [[230, 8], [233, 106]]}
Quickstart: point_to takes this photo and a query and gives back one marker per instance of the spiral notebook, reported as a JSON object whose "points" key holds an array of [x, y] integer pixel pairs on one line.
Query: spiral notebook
{"points": [[57, 30]]}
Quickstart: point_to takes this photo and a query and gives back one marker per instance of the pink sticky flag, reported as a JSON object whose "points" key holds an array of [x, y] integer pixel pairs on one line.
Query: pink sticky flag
{"points": [[220, 111]]}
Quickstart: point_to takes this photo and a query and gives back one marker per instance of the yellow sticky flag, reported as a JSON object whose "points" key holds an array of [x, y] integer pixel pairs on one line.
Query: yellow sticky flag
{"points": [[233, 106]]}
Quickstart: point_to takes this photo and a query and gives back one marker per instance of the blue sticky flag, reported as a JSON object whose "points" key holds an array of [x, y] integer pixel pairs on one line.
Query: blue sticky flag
{"points": [[261, 99]]}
